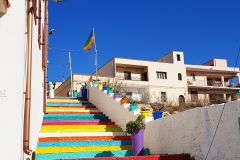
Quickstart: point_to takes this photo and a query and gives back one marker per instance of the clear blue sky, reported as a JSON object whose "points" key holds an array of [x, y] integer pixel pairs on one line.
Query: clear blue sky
{"points": [[141, 29]]}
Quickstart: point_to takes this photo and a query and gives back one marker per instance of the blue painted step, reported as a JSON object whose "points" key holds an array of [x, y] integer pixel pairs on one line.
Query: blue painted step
{"points": [[121, 153], [86, 143], [69, 104], [75, 116]]}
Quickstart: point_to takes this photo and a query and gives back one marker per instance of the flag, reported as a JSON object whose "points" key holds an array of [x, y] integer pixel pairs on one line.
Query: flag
{"points": [[90, 42]]}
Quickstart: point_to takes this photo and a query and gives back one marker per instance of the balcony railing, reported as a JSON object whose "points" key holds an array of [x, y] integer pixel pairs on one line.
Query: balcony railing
{"points": [[132, 78], [210, 83]]}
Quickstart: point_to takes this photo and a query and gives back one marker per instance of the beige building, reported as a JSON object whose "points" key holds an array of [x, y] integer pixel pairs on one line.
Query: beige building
{"points": [[168, 79]]}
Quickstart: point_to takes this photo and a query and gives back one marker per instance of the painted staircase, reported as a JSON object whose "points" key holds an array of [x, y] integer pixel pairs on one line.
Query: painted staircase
{"points": [[74, 130]]}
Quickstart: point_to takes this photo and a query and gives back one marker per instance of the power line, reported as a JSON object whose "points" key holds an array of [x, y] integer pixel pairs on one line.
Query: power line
{"points": [[221, 112], [58, 58], [56, 66], [237, 58], [69, 50]]}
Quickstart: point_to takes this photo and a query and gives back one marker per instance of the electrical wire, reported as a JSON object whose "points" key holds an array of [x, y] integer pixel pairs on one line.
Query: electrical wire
{"points": [[58, 59], [69, 50], [221, 113]]}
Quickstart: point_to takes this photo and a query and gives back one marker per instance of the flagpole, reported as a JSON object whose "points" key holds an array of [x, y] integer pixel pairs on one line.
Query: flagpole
{"points": [[70, 67], [95, 53]]}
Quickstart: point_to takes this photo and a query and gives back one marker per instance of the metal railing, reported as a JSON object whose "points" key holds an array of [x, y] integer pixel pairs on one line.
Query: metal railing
{"points": [[131, 78], [210, 83]]}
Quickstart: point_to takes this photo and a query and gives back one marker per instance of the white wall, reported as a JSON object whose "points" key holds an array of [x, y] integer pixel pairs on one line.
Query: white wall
{"points": [[109, 106], [192, 132], [171, 85], [13, 52], [107, 70]]}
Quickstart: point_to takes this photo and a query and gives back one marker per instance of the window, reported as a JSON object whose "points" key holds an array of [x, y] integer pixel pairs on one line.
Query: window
{"points": [[127, 75], [193, 76], [209, 82], [178, 57], [144, 76], [163, 97], [161, 75], [179, 76], [194, 96]]}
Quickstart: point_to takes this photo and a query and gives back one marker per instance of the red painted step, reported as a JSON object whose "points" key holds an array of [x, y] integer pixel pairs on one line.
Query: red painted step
{"points": [[72, 106], [88, 138], [150, 157], [78, 123], [50, 112]]}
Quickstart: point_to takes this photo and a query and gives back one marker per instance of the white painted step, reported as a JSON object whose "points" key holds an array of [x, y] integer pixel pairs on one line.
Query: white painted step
{"points": [[49, 111], [65, 134]]}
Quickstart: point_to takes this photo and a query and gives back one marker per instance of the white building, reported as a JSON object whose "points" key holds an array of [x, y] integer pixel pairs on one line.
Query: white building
{"points": [[21, 34], [169, 79]]}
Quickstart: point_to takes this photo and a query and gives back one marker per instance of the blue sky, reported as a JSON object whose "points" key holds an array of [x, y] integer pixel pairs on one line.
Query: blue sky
{"points": [[141, 29]]}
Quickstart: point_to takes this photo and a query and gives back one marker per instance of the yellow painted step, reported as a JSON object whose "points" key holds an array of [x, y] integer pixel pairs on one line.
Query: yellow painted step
{"points": [[68, 108], [62, 100], [46, 127], [45, 150], [93, 129]]}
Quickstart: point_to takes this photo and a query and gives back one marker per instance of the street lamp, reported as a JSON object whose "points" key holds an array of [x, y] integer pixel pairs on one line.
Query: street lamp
{"points": [[51, 32]]}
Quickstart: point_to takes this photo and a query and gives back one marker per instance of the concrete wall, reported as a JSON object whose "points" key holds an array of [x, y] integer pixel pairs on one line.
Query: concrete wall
{"points": [[78, 80], [111, 107], [216, 62], [171, 85], [107, 70], [64, 88], [13, 52], [192, 132], [168, 58]]}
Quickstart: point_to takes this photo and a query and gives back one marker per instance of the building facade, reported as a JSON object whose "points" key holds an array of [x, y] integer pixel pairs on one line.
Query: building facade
{"points": [[169, 79], [21, 35]]}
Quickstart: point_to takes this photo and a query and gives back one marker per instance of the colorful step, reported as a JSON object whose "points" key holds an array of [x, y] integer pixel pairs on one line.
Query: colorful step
{"points": [[148, 157], [89, 154], [79, 130], [92, 138]]}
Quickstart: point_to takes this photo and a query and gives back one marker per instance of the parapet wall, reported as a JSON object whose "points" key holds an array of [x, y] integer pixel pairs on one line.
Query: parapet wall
{"points": [[191, 131], [109, 106]]}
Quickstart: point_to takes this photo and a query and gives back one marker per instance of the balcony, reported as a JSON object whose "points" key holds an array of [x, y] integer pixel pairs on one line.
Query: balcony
{"points": [[130, 78], [131, 72], [210, 84]]}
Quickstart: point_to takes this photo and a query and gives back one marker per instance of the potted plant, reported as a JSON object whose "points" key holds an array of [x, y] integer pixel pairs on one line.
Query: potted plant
{"points": [[124, 99], [116, 94], [157, 111], [99, 84], [91, 79], [133, 105], [84, 91], [110, 89], [94, 83], [118, 87], [75, 93], [51, 93], [136, 129], [110, 86], [105, 87], [145, 111]]}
